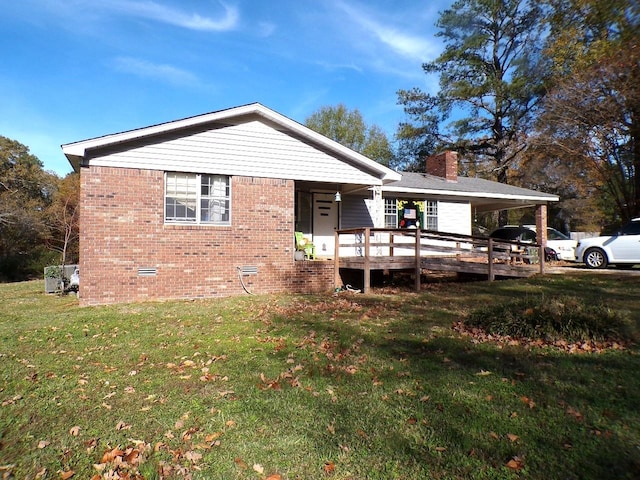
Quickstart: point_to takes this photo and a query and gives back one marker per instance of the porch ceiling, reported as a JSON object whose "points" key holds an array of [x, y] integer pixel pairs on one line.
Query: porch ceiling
{"points": [[493, 205]]}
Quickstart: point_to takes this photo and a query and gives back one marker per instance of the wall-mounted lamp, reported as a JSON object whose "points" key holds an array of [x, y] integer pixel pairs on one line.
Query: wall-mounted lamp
{"points": [[338, 197]]}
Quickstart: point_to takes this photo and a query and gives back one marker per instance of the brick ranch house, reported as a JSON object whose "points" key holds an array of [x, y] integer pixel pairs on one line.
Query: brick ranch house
{"points": [[207, 206]]}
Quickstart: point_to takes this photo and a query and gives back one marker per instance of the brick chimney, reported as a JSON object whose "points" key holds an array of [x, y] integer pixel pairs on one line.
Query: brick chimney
{"points": [[444, 165]]}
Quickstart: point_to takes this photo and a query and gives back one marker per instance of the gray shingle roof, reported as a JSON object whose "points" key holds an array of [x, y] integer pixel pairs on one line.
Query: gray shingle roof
{"points": [[432, 184]]}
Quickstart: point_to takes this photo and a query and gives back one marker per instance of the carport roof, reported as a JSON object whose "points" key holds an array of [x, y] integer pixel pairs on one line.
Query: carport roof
{"points": [[484, 195]]}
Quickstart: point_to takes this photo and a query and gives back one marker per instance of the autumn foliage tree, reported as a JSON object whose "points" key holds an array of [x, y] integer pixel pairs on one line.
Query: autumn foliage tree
{"points": [[591, 116], [63, 219], [38, 214]]}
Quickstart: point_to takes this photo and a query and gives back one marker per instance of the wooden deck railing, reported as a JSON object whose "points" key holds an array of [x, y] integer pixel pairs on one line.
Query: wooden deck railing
{"points": [[395, 249]]}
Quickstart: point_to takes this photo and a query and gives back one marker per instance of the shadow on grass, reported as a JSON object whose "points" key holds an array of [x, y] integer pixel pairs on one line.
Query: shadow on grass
{"points": [[450, 405]]}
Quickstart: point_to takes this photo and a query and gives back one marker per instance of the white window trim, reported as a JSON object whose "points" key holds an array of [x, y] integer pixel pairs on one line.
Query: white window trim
{"points": [[197, 220], [388, 214], [427, 216]]}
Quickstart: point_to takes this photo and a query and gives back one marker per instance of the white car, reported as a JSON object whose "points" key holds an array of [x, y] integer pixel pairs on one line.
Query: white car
{"points": [[564, 247], [620, 249]]}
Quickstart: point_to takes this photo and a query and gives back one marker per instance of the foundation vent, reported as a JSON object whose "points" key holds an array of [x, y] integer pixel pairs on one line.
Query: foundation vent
{"points": [[147, 272]]}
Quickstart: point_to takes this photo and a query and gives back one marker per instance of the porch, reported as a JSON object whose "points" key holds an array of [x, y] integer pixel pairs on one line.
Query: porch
{"points": [[415, 250]]}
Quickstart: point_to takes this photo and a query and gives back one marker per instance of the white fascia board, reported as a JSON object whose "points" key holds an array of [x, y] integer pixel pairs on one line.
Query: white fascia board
{"points": [[453, 193], [79, 149]]}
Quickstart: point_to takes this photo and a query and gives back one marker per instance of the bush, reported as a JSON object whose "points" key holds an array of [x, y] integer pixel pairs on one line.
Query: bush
{"points": [[563, 318]]}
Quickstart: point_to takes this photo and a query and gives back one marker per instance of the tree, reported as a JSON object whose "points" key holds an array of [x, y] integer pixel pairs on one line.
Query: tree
{"points": [[25, 193], [591, 116], [348, 128], [592, 120], [491, 80], [63, 219]]}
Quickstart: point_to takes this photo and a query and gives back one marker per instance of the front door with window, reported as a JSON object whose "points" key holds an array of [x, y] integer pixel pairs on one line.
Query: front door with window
{"points": [[325, 222]]}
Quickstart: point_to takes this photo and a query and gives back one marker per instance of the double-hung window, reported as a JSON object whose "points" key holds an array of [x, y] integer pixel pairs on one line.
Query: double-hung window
{"points": [[431, 215], [197, 198], [390, 213]]}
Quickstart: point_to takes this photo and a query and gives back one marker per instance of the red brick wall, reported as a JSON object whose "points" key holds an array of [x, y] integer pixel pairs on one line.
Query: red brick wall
{"points": [[122, 229], [444, 165]]}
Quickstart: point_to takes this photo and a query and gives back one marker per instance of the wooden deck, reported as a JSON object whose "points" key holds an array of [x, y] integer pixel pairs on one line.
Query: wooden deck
{"points": [[416, 250]]}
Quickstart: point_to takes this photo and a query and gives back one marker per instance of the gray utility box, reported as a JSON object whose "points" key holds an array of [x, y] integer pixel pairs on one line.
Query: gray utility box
{"points": [[53, 277]]}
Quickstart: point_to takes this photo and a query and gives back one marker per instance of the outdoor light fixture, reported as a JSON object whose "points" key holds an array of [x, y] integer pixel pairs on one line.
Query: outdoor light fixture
{"points": [[338, 197]]}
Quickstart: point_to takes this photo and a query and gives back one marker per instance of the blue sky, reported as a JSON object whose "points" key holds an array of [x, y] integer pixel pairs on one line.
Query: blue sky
{"points": [[78, 69]]}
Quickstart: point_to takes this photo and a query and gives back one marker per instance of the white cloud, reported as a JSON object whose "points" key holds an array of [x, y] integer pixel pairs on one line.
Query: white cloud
{"points": [[173, 16], [339, 66], [163, 72], [412, 47]]}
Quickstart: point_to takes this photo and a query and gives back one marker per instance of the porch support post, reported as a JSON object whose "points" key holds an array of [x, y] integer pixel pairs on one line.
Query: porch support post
{"points": [[367, 261], [418, 264], [337, 281], [491, 276], [541, 229], [378, 207]]}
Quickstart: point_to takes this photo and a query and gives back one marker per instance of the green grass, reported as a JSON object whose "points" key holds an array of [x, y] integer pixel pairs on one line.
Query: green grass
{"points": [[305, 387]]}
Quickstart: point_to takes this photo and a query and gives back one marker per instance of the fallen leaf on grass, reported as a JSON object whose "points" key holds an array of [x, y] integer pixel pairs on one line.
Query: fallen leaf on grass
{"points": [[12, 400], [111, 455], [66, 475], [212, 437], [192, 456], [483, 373], [574, 413], [528, 401], [240, 463], [187, 434], [75, 431], [123, 426], [329, 467], [512, 437], [441, 449], [43, 443], [259, 469], [275, 476], [515, 464]]}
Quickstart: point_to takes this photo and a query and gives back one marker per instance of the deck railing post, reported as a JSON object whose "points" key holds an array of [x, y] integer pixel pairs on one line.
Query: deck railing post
{"points": [[418, 265], [490, 274], [367, 261], [542, 259]]}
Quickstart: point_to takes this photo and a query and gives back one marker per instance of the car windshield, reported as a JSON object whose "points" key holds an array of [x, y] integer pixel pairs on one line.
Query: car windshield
{"points": [[515, 233], [553, 234]]}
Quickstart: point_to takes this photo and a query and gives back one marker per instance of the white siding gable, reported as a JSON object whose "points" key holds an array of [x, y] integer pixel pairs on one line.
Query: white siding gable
{"points": [[248, 149]]}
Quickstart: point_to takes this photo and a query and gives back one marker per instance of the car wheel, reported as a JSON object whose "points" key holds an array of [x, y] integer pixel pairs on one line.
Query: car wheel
{"points": [[595, 258]]}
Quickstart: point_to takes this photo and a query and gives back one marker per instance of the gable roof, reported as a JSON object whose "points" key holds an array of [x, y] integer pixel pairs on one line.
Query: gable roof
{"points": [[484, 195], [82, 152]]}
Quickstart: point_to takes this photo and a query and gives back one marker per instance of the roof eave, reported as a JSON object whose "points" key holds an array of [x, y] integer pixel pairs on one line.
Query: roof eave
{"points": [[464, 194]]}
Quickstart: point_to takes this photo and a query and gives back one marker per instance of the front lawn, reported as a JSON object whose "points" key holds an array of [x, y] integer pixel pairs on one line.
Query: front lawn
{"points": [[311, 387]]}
